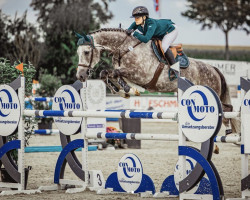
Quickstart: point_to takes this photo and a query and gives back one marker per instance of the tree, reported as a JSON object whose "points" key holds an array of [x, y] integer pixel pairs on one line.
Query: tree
{"points": [[58, 20], [26, 46], [19, 40], [224, 14], [4, 39]]}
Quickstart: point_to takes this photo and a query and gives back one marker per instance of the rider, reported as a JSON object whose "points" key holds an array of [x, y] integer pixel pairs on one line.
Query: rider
{"points": [[163, 29]]}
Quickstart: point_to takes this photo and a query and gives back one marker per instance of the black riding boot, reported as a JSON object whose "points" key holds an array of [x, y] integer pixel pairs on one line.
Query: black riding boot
{"points": [[173, 74], [170, 57]]}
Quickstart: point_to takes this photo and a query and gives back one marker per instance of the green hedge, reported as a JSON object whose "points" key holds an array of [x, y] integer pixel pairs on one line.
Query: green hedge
{"points": [[9, 73]]}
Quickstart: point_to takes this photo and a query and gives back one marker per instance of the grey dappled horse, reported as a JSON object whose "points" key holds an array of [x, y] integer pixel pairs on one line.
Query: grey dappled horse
{"points": [[136, 62]]}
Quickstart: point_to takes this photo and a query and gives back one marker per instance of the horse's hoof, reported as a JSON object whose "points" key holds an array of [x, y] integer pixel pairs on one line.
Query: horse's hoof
{"points": [[126, 88], [124, 95], [228, 131], [127, 96], [137, 93], [216, 149]]}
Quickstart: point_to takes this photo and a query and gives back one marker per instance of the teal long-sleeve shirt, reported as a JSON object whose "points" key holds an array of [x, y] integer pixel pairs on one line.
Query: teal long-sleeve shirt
{"points": [[152, 28]]}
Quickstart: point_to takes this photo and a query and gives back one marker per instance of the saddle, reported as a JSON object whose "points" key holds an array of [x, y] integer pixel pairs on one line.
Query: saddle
{"points": [[177, 51], [173, 74]]}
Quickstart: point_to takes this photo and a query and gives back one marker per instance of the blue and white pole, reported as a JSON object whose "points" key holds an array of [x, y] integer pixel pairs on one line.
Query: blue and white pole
{"points": [[46, 131], [43, 99], [134, 136], [101, 114]]}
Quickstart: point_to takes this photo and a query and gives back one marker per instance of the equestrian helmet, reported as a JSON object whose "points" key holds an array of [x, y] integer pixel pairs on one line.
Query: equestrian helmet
{"points": [[140, 11]]}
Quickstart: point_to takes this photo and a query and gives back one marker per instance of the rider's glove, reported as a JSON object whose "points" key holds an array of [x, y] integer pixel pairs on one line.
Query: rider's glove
{"points": [[129, 31]]}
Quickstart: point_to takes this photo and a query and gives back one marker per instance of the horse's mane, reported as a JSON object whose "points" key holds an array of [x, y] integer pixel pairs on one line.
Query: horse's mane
{"points": [[108, 29]]}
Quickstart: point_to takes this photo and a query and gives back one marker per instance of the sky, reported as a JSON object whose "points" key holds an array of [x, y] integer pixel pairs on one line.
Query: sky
{"points": [[189, 31]]}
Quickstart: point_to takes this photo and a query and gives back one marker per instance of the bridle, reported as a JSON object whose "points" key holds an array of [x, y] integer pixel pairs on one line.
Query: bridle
{"points": [[90, 70], [91, 59]]}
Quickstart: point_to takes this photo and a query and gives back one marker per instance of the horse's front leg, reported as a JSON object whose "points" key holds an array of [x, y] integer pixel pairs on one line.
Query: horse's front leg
{"points": [[112, 84], [128, 88], [104, 75], [120, 80]]}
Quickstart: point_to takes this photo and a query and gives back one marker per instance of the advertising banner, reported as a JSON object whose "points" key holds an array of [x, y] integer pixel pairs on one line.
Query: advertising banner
{"points": [[160, 103], [232, 70]]}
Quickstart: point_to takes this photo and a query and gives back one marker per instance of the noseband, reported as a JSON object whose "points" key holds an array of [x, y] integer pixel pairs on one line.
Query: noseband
{"points": [[90, 71], [91, 59]]}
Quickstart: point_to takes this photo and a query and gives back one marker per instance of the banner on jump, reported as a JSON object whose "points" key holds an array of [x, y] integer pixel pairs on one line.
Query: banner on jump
{"points": [[143, 103]]}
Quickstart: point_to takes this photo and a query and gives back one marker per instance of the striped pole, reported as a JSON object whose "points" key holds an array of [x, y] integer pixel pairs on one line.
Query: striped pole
{"points": [[41, 117], [134, 136], [47, 99], [33, 149], [101, 114], [152, 136], [46, 131], [112, 114], [227, 139]]}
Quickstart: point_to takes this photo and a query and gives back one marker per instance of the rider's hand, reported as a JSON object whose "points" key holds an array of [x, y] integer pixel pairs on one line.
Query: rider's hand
{"points": [[129, 32]]}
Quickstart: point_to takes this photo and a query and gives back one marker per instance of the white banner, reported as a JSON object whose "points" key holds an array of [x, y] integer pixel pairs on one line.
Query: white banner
{"points": [[155, 103], [232, 70], [164, 104], [160, 103], [117, 103]]}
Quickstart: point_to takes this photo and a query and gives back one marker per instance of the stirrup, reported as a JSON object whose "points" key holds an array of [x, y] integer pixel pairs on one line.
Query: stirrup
{"points": [[175, 68], [171, 75]]}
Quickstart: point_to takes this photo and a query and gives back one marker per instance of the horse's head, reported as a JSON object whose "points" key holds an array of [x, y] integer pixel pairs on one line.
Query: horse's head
{"points": [[88, 55]]}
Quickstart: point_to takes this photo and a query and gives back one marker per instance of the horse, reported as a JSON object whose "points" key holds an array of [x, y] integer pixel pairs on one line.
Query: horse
{"points": [[135, 64]]}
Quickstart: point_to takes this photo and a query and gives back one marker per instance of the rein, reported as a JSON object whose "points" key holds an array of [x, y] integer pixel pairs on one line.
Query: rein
{"points": [[120, 44], [125, 52]]}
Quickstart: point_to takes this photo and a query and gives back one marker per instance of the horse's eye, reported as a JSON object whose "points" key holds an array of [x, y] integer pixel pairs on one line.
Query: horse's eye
{"points": [[86, 53]]}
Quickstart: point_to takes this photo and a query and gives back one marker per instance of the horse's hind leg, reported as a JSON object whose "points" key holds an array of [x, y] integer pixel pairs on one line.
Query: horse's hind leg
{"points": [[226, 122]]}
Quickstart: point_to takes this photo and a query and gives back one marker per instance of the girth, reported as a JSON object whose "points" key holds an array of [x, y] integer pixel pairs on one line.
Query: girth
{"points": [[152, 84]]}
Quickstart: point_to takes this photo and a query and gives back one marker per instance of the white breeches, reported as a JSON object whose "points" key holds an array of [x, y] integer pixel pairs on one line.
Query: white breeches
{"points": [[169, 39]]}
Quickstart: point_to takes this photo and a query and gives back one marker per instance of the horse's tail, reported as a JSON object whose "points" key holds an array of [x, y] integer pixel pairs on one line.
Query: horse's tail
{"points": [[226, 100]]}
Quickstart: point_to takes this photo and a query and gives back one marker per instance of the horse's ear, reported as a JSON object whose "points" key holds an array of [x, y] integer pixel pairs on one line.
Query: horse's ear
{"points": [[85, 37], [78, 35]]}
